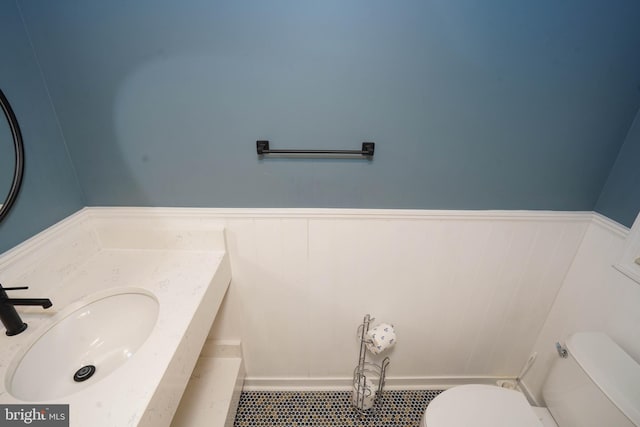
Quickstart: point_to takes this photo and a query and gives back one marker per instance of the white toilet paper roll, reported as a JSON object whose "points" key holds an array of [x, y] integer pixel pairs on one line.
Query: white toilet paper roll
{"points": [[380, 338], [365, 396]]}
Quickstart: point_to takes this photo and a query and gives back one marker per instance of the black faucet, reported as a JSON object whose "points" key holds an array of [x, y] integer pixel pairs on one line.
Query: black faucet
{"points": [[8, 314]]}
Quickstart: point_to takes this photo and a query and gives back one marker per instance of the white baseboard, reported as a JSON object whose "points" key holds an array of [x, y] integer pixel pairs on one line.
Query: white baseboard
{"points": [[392, 383], [344, 383]]}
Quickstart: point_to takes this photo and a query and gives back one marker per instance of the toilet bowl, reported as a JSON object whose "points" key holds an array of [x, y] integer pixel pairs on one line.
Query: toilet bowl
{"points": [[484, 405], [593, 383]]}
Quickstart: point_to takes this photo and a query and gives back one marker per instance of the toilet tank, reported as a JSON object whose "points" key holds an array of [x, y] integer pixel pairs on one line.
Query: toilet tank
{"points": [[598, 384]]}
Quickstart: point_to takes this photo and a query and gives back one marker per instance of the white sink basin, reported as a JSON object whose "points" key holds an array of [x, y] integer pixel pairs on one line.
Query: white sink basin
{"points": [[104, 331]]}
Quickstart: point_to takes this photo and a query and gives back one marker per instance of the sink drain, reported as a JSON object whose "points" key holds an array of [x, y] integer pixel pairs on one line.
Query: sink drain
{"points": [[84, 373]]}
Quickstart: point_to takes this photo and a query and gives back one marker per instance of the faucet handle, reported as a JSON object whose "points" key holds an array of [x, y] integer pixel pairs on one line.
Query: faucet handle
{"points": [[15, 288]]}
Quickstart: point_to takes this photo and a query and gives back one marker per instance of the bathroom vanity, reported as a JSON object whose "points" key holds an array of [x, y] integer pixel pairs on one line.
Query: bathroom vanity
{"points": [[134, 294]]}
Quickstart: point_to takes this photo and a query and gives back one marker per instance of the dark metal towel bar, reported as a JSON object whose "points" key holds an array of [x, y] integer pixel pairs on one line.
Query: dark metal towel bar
{"points": [[368, 148]]}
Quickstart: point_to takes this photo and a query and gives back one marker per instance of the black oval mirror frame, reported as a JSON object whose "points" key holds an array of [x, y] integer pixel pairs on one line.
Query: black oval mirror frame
{"points": [[19, 155]]}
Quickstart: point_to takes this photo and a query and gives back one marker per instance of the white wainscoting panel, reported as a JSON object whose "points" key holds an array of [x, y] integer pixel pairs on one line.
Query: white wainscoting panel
{"points": [[471, 293], [468, 292], [594, 297]]}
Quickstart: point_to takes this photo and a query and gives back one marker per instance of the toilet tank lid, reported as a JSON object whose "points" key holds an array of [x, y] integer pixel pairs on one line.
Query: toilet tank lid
{"points": [[610, 368]]}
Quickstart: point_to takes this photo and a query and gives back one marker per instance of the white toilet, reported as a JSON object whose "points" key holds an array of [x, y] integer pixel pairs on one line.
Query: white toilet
{"points": [[597, 384]]}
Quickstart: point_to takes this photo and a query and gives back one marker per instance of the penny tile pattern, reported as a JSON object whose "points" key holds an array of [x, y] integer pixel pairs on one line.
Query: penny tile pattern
{"points": [[332, 408]]}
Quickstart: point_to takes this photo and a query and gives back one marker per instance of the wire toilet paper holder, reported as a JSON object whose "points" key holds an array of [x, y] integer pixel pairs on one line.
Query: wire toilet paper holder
{"points": [[367, 371]]}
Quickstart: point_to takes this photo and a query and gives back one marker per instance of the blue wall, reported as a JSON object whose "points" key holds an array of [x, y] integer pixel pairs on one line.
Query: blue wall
{"points": [[472, 104], [620, 198], [50, 190]]}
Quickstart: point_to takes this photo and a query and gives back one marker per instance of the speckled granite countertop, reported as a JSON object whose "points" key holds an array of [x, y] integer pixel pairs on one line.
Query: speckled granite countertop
{"points": [[71, 262]]}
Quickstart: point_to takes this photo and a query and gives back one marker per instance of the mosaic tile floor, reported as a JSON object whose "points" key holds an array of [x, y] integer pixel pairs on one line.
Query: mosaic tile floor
{"points": [[333, 408]]}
